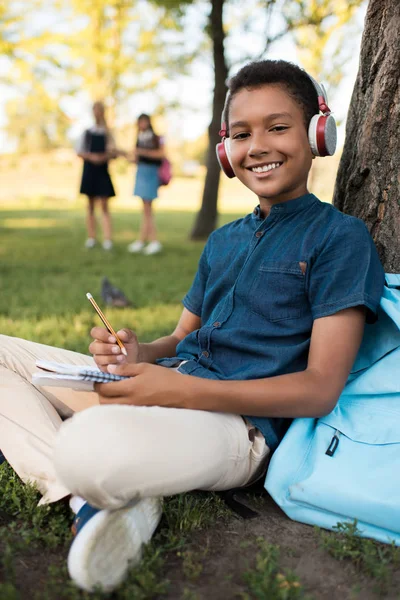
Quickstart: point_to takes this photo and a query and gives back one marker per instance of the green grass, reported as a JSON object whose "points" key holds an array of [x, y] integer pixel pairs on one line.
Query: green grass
{"points": [[45, 273], [369, 557], [266, 581]]}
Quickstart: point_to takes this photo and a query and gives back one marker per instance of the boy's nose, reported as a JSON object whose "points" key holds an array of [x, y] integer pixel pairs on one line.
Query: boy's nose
{"points": [[259, 145]]}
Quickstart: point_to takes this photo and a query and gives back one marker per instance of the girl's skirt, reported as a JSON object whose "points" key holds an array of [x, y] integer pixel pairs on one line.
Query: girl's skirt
{"points": [[147, 181]]}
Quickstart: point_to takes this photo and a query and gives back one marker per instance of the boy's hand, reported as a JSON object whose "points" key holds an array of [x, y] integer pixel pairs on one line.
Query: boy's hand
{"points": [[106, 351], [149, 385]]}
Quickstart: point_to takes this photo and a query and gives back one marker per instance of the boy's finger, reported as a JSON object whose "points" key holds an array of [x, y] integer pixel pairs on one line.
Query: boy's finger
{"points": [[114, 389], [126, 335], [100, 349], [101, 333], [104, 361]]}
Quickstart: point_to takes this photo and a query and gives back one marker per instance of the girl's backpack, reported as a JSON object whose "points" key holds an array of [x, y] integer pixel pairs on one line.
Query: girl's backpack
{"points": [[165, 172], [345, 466]]}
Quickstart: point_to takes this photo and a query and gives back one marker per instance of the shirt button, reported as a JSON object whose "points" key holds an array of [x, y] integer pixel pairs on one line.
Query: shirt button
{"points": [[205, 354], [217, 324], [259, 234]]}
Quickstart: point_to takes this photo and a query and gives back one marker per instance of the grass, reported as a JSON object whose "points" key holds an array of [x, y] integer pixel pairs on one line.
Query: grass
{"points": [[44, 274], [368, 556], [266, 581]]}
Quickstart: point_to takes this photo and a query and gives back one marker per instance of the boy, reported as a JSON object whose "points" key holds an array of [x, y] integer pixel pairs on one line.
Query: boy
{"points": [[269, 332]]}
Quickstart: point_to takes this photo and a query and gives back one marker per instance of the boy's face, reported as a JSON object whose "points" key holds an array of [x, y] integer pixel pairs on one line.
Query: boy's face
{"points": [[267, 128]]}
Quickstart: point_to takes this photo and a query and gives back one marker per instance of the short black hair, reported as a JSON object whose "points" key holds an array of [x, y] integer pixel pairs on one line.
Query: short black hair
{"points": [[276, 72]]}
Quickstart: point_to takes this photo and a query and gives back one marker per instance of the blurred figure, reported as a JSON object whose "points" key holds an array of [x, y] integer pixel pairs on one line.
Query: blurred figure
{"points": [[148, 155], [96, 148]]}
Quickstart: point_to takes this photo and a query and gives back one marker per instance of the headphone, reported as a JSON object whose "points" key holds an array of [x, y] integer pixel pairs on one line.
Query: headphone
{"points": [[322, 135]]}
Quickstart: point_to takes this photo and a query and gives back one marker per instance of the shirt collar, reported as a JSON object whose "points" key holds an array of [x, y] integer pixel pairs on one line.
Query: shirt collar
{"points": [[290, 206]]}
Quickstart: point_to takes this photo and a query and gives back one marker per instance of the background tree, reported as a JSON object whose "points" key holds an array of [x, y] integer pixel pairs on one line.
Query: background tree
{"points": [[96, 49], [368, 183]]}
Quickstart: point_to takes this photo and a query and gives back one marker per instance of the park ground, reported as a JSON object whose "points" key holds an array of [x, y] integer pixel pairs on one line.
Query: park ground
{"points": [[202, 550]]}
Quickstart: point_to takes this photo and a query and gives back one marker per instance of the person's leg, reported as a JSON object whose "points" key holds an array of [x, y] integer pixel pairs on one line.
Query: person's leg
{"points": [[107, 226], [91, 218], [144, 229], [149, 217], [154, 246], [153, 451], [123, 459], [30, 416]]}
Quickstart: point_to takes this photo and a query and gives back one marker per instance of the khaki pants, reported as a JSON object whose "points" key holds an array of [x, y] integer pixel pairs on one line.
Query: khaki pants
{"points": [[113, 454]]}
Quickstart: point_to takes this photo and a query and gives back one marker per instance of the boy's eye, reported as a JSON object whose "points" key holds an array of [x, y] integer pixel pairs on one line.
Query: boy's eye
{"points": [[279, 128], [240, 136]]}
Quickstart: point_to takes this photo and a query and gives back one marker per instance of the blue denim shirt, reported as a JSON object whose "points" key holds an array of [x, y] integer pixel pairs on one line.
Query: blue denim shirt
{"points": [[261, 283]]}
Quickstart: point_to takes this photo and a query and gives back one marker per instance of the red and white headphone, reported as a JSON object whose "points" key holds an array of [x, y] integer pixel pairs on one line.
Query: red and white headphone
{"points": [[322, 135]]}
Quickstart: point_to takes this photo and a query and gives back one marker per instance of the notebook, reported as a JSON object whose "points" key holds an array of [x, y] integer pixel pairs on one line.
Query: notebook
{"points": [[77, 377]]}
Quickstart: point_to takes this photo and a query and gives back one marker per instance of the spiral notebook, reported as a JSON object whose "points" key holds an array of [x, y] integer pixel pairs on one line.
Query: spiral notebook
{"points": [[77, 377]]}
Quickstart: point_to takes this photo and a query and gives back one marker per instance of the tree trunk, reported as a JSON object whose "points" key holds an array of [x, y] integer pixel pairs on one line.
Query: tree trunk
{"points": [[368, 181], [206, 219]]}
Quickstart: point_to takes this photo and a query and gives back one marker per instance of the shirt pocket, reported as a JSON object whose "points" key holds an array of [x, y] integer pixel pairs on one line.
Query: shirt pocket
{"points": [[278, 290]]}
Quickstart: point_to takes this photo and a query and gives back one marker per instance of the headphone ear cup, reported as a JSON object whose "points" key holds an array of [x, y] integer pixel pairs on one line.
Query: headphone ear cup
{"points": [[322, 135], [224, 158]]}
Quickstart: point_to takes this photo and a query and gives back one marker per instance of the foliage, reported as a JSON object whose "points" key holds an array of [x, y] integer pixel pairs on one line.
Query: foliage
{"points": [[368, 556], [99, 49], [319, 25], [266, 581]]}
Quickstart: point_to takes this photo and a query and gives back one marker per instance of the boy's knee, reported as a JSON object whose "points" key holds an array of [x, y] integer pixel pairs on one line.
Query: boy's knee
{"points": [[84, 459], [76, 450]]}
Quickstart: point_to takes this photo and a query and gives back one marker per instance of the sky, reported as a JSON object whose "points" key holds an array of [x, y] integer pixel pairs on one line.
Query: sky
{"points": [[195, 91]]}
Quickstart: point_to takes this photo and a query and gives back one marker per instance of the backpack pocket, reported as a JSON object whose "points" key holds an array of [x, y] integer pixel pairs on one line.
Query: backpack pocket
{"points": [[352, 467]]}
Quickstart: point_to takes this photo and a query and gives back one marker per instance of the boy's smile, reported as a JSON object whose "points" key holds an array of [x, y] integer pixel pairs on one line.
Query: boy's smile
{"points": [[269, 146]]}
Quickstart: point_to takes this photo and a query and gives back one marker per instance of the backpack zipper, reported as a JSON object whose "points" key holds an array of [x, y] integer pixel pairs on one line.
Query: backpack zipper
{"points": [[330, 451]]}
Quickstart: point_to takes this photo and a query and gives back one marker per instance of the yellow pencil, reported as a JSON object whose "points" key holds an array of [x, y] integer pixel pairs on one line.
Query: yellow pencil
{"points": [[106, 322]]}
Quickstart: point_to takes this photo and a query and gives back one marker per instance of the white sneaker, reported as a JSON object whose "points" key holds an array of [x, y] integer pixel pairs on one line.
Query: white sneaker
{"points": [[107, 245], [90, 243], [153, 248], [136, 246], [110, 542]]}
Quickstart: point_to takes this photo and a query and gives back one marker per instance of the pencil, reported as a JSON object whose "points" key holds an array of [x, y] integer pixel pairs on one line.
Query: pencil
{"points": [[106, 322]]}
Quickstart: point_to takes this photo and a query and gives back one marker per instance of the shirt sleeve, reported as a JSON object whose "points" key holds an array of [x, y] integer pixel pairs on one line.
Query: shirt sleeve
{"points": [[193, 300], [347, 272]]}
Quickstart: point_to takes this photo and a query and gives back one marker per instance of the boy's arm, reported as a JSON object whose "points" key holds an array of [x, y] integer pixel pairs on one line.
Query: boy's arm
{"points": [[335, 341], [105, 350]]}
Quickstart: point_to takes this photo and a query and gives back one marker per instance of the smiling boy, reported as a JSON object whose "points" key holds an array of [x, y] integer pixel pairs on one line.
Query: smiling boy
{"points": [[269, 331]]}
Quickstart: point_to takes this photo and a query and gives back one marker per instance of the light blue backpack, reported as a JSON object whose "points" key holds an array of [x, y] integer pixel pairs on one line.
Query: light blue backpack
{"points": [[346, 465]]}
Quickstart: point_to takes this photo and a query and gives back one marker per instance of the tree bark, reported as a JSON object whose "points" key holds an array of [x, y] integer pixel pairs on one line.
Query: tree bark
{"points": [[368, 180], [206, 219]]}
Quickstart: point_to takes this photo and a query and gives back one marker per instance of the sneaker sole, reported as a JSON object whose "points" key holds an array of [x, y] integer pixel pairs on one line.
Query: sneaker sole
{"points": [[110, 543]]}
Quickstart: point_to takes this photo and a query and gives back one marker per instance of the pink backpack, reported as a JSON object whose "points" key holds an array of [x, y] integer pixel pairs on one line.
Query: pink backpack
{"points": [[165, 172]]}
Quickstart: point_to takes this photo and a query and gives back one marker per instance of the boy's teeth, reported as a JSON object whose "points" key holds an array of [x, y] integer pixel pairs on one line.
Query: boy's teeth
{"points": [[265, 168]]}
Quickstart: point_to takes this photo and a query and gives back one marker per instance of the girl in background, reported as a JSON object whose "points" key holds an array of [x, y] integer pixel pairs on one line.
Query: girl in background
{"points": [[148, 155], [96, 148]]}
